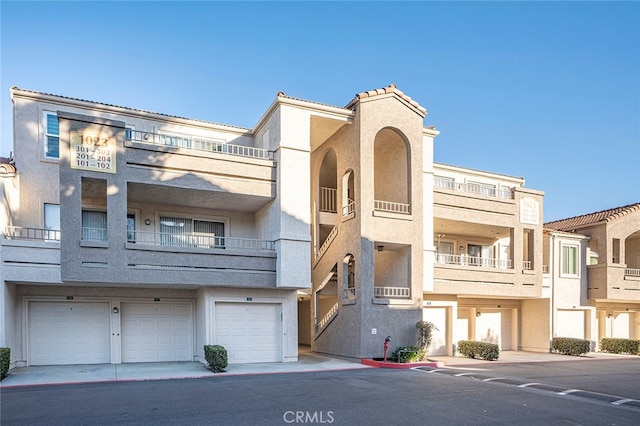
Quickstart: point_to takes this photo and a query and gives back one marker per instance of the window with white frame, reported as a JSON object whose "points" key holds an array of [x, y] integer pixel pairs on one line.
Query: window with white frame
{"points": [[94, 225], [52, 221], [569, 261], [128, 132], [186, 232], [51, 135]]}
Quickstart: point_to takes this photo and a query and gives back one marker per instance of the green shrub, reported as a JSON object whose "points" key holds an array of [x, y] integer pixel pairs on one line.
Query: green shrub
{"points": [[620, 346], [216, 357], [570, 346], [478, 350], [425, 336], [406, 354], [5, 358]]}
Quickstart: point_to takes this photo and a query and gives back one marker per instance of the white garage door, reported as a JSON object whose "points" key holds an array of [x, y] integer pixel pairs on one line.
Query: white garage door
{"points": [[69, 333], [570, 324], [437, 316], [621, 325], [154, 332], [249, 331], [494, 326]]}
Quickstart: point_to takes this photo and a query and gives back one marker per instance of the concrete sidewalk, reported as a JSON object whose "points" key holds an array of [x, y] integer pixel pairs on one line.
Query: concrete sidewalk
{"points": [[64, 374], [521, 356]]}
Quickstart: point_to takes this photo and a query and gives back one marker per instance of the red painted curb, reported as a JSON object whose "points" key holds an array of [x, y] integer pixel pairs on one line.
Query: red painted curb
{"points": [[399, 365]]}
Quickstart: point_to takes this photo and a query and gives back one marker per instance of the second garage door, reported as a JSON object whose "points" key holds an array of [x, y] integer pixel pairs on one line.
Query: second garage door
{"points": [[154, 332], [249, 331]]}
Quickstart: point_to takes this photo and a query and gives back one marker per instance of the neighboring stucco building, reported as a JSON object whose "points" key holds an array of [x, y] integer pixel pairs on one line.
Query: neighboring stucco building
{"points": [[487, 282], [601, 251], [133, 236]]}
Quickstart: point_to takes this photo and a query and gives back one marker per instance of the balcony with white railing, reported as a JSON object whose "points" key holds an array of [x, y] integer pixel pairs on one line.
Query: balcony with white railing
{"points": [[527, 265], [464, 260], [198, 143], [328, 200], [632, 272], [350, 208], [392, 292], [35, 234], [94, 234], [200, 241], [486, 190], [349, 293], [392, 207]]}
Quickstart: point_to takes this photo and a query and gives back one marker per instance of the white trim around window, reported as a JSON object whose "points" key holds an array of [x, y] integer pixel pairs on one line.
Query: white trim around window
{"points": [[51, 135], [569, 260]]}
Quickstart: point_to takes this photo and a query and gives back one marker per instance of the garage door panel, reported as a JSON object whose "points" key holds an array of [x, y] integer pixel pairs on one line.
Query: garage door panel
{"points": [[69, 333], [570, 324], [249, 332], [157, 332], [494, 326]]}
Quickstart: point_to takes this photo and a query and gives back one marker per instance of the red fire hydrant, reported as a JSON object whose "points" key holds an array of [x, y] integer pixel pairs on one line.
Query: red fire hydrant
{"points": [[386, 346]]}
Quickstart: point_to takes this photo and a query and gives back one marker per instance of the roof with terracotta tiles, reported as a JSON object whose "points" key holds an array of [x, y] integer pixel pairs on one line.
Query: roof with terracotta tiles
{"points": [[386, 90], [603, 216]]}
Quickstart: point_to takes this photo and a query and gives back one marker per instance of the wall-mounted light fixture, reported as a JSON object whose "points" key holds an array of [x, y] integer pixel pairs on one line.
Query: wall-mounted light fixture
{"points": [[147, 222], [115, 310], [478, 313], [461, 249], [380, 248], [609, 315]]}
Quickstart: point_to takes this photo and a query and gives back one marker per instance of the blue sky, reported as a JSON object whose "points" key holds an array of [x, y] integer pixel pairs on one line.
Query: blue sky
{"points": [[548, 91]]}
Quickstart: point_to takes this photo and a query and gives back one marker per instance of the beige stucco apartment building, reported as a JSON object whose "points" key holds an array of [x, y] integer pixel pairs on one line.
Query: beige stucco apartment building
{"points": [[594, 274], [133, 236]]}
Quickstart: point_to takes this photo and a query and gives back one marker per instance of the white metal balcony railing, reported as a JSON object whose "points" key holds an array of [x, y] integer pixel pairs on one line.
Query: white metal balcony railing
{"points": [[349, 208], [464, 260], [198, 241], [632, 272], [391, 291], [328, 317], [22, 233], [392, 207], [94, 234], [350, 293], [328, 200], [143, 237], [200, 144], [474, 188]]}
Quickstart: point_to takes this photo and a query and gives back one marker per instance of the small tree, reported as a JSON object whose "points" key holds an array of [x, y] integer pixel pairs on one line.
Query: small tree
{"points": [[425, 335]]}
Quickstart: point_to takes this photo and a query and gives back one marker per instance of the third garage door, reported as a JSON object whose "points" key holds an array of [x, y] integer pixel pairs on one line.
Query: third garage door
{"points": [[249, 331], [154, 332]]}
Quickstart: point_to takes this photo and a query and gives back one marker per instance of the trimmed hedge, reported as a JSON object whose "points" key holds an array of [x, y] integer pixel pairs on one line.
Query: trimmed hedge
{"points": [[5, 359], [216, 357], [570, 346], [620, 346], [478, 350], [405, 354]]}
